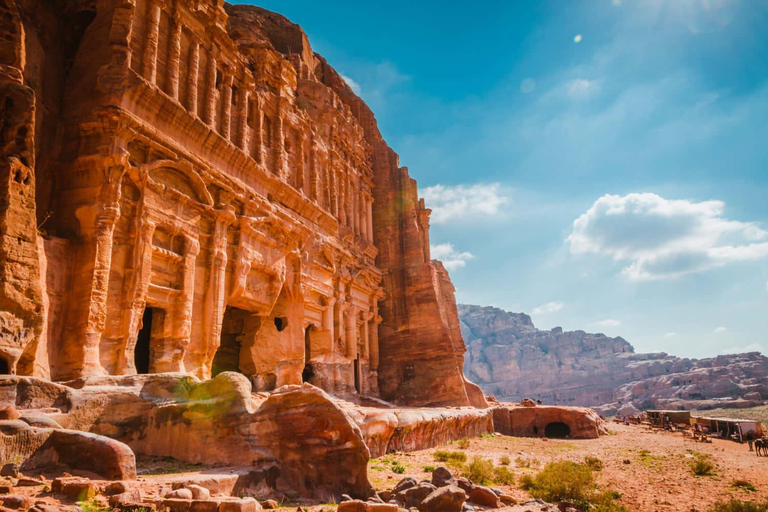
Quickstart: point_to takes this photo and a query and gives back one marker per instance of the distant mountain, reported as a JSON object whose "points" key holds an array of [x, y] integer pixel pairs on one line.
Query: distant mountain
{"points": [[511, 359]]}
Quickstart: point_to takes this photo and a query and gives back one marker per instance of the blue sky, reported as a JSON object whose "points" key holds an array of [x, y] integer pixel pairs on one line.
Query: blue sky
{"points": [[601, 165]]}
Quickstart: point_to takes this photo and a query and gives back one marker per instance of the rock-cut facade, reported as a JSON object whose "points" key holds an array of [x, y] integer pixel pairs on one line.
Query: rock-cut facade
{"points": [[185, 186]]}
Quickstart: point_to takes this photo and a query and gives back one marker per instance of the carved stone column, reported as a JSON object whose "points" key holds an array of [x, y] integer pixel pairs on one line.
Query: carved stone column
{"points": [[211, 94], [351, 328], [281, 171], [173, 355], [314, 176], [373, 338], [137, 294], [341, 309], [242, 117], [174, 58], [370, 218], [328, 317], [153, 36], [192, 79], [216, 293], [226, 111]]}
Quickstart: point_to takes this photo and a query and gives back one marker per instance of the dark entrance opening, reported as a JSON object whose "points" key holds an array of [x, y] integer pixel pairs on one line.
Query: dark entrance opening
{"points": [[357, 373], [281, 323], [141, 355], [4, 369], [557, 429], [233, 327], [308, 372]]}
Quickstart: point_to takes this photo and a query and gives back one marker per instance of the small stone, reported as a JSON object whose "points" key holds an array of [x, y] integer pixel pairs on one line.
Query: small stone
{"points": [[16, 502], [25, 481], [484, 496], [405, 483], [506, 499], [442, 476], [445, 499], [352, 506], [241, 505], [270, 504]]}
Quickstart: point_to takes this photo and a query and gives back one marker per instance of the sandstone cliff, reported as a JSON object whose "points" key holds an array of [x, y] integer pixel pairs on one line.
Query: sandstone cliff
{"points": [[512, 359]]}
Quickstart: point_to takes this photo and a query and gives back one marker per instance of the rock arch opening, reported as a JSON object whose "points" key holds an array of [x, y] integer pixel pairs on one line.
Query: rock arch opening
{"points": [[557, 429]]}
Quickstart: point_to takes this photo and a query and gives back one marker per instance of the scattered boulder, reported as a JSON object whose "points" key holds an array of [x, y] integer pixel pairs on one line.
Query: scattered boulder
{"points": [[441, 477], [484, 496], [241, 505], [353, 506], [74, 487], [269, 504], [199, 492], [180, 494], [11, 469], [445, 499], [412, 496], [405, 483]]}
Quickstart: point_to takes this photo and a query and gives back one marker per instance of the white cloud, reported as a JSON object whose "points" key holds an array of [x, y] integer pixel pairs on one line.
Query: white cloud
{"points": [[754, 347], [665, 238], [352, 84], [670, 335], [451, 258], [458, 202], [549, 307], [608, 322], [719, 330], [581, 88]]}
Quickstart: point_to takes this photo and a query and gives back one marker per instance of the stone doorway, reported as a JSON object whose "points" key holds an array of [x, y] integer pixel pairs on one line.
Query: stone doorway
{"points": [[4, 368], [308, 372], [234, 329], [557, 429], [356, 366], [151, 330]]}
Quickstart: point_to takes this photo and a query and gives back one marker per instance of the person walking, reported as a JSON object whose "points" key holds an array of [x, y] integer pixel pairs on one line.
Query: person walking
{"points": [[750, 441]]}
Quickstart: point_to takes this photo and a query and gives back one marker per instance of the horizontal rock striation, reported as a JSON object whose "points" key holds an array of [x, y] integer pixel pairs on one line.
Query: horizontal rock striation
{"points": [[512, 359]]}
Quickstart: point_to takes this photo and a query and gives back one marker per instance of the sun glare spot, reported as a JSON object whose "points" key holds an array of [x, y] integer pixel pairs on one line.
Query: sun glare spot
{"points": [[577, 39]]}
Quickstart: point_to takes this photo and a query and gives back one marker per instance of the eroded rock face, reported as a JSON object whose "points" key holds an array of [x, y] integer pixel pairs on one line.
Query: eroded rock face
{"points": [[550, 421], [212, 197], [512, 360]]}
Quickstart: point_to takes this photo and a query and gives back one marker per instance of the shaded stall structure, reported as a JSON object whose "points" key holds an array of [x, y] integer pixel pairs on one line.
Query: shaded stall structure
{"points": [[660, 417], [727, 428]]}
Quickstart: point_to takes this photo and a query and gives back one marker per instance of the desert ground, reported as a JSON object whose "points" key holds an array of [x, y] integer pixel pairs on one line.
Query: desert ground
{"points": [[650, 469]]}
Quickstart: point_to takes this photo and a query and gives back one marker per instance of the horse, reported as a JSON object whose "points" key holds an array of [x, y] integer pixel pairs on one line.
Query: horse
{"points": [[761, 445]]}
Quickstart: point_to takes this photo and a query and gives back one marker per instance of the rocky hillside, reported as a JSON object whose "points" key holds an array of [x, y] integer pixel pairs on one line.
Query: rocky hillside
{"points": [[512, 359]]}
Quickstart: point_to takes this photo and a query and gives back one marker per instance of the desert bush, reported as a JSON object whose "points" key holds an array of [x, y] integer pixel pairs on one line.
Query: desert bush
{"points": [[398, 469], [702, 467], [527, 463], [738, 506], [743, 484], [451, 458], [463, 443], [504, 460], [502, 475], [594, 463], [429, 469], [479, 471], [572, 482]]}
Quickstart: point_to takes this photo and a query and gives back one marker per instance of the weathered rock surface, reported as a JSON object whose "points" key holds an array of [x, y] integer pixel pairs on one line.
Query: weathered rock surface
{"points": [[511, 359]]}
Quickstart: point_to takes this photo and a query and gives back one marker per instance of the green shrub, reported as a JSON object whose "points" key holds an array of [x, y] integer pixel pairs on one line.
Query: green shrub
{"points": [[743, 484], [594, 463], [502, 475], [429, 469], [398, 469], [504, 460], [463, 443], [702, 467], [561, 481], [572, 482], [479, 471], [455, 459], [738, 506], [527, 463]]}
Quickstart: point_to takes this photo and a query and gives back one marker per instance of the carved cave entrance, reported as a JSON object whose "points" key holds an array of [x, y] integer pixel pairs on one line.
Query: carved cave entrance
{"points": [[4, 368], [237, 326], [308, 372], [557, 429], [149, 335]]}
